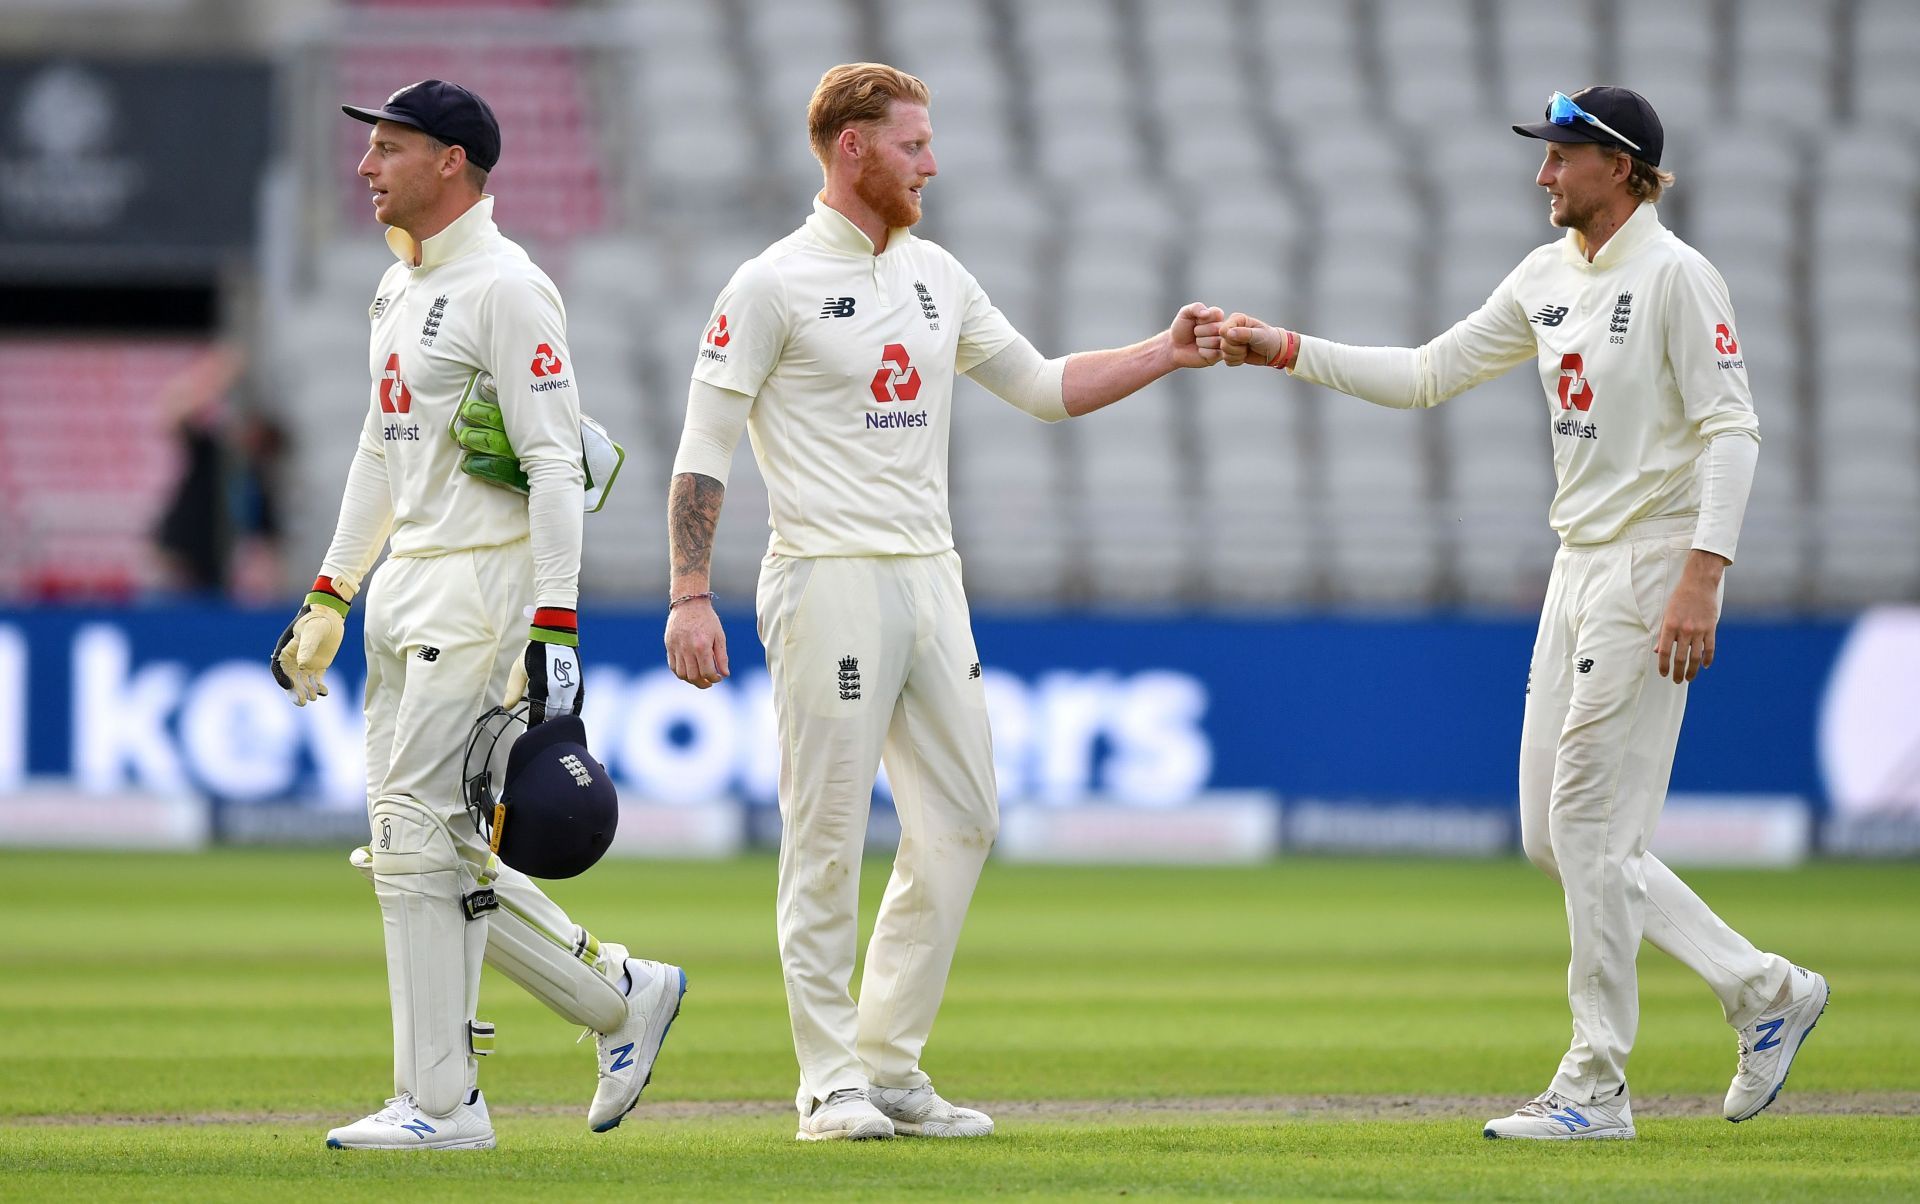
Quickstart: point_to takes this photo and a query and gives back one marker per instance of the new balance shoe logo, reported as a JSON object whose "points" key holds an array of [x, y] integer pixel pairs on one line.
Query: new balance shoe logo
{"points": [[1573, 1120], [1769, 1035], [419, 1128], [1585, 664], [1550, 315], [428, 653], [837, 307], [622, 1058], [849, 679], [572, 764]]}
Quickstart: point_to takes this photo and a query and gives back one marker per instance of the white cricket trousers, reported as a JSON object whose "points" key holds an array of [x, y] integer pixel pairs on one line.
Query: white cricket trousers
{"points": [[442, 632], [870, 657], [1596, 751]]}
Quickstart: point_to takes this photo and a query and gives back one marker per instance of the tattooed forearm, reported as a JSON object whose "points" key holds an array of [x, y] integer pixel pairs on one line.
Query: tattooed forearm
{"points": [[693, 510]]}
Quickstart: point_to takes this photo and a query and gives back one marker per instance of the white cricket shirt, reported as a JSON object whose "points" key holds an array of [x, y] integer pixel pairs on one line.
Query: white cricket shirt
{"points": [[850, 359], [474, 303], [1639, 361]]}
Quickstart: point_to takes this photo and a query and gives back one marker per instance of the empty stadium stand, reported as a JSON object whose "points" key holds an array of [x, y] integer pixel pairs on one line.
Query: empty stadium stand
{"points": [[1340, 165]]}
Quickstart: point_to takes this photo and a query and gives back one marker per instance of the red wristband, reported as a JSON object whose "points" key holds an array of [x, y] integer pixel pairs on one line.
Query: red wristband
{"points": [[1288, 353]]}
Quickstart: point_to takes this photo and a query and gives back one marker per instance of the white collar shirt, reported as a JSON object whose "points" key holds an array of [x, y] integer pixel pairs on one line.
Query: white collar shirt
{"points": [[850, 358]]}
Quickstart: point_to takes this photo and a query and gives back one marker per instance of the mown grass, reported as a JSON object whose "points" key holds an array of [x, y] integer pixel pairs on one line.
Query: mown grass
{"points": [[248, 986]]}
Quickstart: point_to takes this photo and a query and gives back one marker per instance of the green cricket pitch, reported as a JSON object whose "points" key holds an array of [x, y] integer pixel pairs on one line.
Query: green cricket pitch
{"points": [[177, 1027]]}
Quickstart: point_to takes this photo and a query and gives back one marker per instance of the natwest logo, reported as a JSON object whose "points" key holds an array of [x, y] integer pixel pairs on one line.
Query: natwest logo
{"points": [[545, 362], [897, 379], [717, 333], [1723, 340], [394, 397], [1575, 392]]}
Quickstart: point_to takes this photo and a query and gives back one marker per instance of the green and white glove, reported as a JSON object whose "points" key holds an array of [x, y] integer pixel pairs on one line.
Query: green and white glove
{"points": [[548, 674], [487, 453], [307, 647]]}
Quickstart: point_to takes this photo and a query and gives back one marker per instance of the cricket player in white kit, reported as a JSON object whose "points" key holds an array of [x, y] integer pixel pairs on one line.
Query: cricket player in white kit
{"points": [[446, 625], [1655, 443], [836, 350]]}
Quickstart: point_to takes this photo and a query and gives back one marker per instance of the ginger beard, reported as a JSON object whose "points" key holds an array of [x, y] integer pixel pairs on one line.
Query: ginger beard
{"points": [[890, 196]]}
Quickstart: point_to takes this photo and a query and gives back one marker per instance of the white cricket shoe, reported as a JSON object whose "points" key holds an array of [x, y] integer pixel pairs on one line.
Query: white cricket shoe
{"points": [[401, 1125], [845, 1115], [1550, 1116], [920, 1112], [627, 1053], [1768, 1044]]}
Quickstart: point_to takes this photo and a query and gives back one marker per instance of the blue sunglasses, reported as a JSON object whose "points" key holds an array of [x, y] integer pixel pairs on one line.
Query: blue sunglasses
{"points": [[1562, 111]]}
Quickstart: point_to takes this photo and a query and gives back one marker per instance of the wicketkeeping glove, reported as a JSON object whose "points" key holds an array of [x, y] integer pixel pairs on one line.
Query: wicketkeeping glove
{"points": [[487, 453], [305, 649], [548, 674]]}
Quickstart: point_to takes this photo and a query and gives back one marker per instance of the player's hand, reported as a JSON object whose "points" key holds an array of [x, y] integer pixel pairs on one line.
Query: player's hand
{"points": [[1196, 335], [548, 672], [1686, 634], [696, 643], [548, 676], [305, 650], [1244, 338]]}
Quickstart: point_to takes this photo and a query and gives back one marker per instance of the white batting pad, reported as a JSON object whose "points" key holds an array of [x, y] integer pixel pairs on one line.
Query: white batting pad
{"points": [[433, 952], [532, 942]]}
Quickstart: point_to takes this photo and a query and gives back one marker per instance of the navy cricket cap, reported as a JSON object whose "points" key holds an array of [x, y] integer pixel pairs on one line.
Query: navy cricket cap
{"points": [[447, 111], [561, 807], [1625, 110]]}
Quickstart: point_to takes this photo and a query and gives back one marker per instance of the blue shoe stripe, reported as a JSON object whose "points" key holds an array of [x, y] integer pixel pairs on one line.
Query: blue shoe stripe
{"points": [[615, 1122], [1779, 1086]]}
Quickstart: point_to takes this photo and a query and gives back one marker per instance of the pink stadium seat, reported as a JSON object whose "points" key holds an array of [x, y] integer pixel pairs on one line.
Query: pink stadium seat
{"points": [[549, 178], [85, 461]]}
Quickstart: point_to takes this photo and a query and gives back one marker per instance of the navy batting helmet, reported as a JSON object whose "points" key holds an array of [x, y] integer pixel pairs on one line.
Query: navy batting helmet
{"points": [[556, 810]]}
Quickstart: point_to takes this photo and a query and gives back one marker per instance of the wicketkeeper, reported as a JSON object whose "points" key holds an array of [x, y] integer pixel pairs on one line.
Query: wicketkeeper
{"points": [[468, 341]]}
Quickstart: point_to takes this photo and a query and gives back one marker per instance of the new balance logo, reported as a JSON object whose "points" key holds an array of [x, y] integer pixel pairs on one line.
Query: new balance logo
{"points": [[849, 679], [573, 765], [1573, 1120], [837, 307], [1769, 1035], [419, 1128], [428, 653], [1550, 315], [622, 1058], [1585, 664], [973, 671]]}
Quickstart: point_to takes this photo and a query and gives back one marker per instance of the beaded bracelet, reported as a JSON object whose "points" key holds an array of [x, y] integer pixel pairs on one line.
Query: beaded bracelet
{"points": [[689, 598]]}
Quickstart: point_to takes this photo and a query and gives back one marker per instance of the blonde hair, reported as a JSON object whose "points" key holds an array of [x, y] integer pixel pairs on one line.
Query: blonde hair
{"points": [[1647, 181], [853, 93]]}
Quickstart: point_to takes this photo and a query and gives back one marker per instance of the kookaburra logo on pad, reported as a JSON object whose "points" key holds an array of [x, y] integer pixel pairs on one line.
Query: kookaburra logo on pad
{"points": [[574, 766]]}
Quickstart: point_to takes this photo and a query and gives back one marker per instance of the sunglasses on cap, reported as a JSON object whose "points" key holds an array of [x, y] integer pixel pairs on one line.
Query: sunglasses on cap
{"points": [[1562, 111]]}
